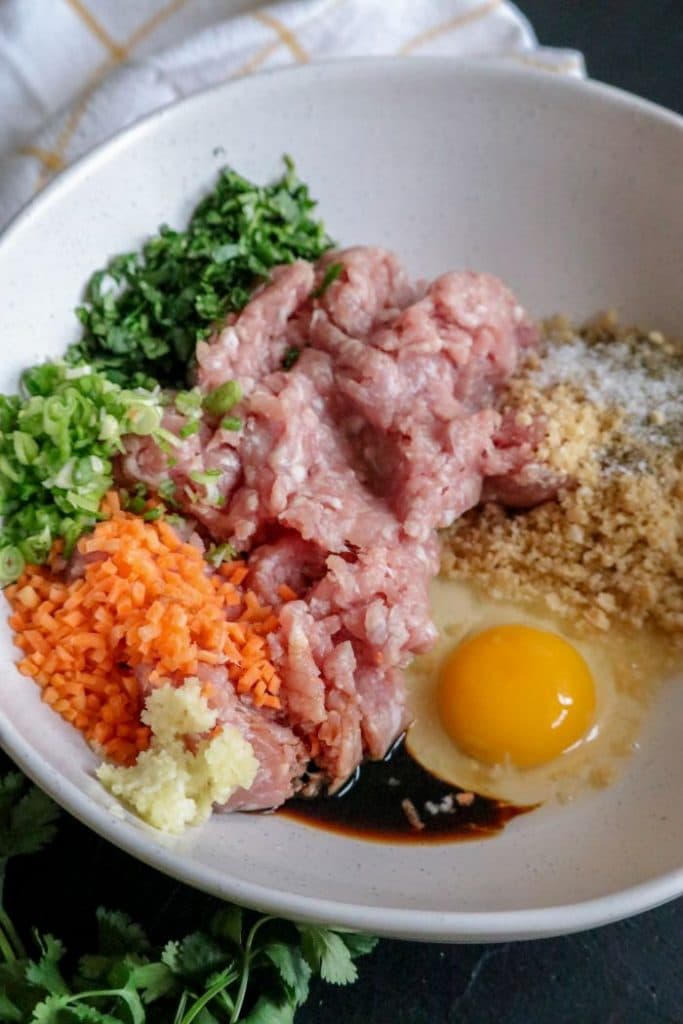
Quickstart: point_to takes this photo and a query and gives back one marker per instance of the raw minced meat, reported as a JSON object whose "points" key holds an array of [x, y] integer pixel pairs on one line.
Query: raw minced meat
{"points": [[340, 471]]}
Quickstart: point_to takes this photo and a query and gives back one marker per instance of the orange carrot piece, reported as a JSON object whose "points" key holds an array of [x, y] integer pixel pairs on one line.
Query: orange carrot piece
{"points": [[150, 603]]}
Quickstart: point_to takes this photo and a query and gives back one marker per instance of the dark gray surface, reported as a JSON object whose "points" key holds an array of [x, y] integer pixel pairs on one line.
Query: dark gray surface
{"points": [[635, 44], [630, 973]]}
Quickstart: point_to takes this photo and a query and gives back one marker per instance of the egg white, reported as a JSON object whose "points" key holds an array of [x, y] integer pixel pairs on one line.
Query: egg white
{"points": [[622, 671]]}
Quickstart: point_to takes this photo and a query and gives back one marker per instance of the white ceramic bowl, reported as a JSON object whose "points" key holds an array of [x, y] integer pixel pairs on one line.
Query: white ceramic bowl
{"points": [[573, 193]]}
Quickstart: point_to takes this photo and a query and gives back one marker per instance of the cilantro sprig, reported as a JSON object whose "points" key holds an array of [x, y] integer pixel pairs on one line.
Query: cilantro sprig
{"points": [[143, 313], [243, 968]]}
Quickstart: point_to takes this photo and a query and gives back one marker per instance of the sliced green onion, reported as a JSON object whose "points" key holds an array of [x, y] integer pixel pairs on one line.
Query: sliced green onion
{"points": [[109, 427], [219, 553], [231, 423], [55, 416], [36, 549], [11, 564], [190, 428], [84, 473], [223, 398], [57, 444], [143, 419], [165, 439], [74, 372], [207, 476], [25, 448], [65, 477], [188, 402], [84, 501], [8, 470]]}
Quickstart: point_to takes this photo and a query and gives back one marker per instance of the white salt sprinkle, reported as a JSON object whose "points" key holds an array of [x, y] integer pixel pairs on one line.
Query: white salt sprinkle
{"points": [[641, 380]]}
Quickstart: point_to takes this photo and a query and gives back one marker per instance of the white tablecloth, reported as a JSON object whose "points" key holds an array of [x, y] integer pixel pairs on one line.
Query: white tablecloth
{"points": [[73, 72]]}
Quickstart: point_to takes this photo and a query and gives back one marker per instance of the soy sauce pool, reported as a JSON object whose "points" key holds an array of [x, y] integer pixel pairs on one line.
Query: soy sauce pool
{"points": [[373, 807]]}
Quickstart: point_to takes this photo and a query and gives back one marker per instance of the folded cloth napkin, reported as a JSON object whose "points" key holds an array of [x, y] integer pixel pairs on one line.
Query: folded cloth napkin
{"points": [[73, 72]]}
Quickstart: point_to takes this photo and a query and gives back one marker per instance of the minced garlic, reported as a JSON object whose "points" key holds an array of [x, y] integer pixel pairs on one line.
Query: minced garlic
{"points": [[173, 785]]}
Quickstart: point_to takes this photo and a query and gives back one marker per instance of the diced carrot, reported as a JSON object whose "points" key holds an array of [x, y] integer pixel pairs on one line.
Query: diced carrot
{"points": [[150, 603], [28, 597]]}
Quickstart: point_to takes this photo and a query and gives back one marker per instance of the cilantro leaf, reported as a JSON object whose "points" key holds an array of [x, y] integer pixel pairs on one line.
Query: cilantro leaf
{"points": [[59, 1008], [9, 1011], [93, 967], [152, 980], [49, 1010], [170, 956], [45, 973], [11, 787], [87, 1013], [27, 817], [268, 1011], [118, 933], [226, 923], [327, 954], [292, 967], [358, 944], [196, 954]]}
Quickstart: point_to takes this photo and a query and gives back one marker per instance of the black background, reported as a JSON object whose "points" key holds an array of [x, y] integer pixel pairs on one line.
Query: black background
{"points": [[629, 973]]}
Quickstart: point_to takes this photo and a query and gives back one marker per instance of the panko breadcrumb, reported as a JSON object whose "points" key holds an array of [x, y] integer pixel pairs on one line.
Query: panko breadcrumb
{"points": [[609, 550]]}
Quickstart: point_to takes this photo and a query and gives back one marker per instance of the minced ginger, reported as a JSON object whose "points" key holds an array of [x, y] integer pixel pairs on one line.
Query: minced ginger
{"points": [[177, 780]]}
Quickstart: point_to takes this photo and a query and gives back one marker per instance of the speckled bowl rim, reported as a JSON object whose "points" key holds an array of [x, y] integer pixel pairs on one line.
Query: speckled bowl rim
{"points": [[488, 926]]}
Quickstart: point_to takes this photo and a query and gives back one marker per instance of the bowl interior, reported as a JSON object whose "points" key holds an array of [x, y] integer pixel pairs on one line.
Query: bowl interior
{"points": [[572, 194]]}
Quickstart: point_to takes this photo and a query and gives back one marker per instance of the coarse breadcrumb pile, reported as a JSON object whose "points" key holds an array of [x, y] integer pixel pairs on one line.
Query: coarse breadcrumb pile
{"points": [[609, 550]]}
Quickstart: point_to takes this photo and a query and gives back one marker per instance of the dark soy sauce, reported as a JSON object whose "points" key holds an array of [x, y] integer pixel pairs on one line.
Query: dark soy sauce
{"points": [[371, 806]]}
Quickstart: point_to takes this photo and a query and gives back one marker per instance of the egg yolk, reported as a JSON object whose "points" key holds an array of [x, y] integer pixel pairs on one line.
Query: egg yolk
{"points": [[517, 693]]}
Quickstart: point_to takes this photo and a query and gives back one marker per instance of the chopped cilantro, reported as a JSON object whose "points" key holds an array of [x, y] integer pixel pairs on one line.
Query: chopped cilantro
{"points": [[143, 314], [331, 274], [290, 357]]}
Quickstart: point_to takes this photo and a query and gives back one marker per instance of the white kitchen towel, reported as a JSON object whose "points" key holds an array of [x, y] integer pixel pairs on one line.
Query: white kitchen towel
{"points": [[73, 72]]}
